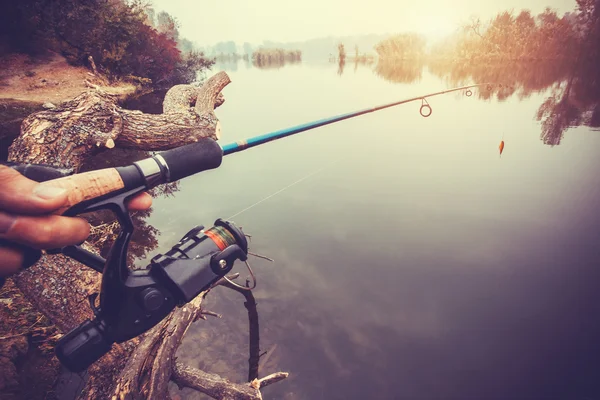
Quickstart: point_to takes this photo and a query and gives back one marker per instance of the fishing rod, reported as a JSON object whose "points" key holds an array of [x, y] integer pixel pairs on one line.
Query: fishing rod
{"points": [[132, 302], [425, 110]]}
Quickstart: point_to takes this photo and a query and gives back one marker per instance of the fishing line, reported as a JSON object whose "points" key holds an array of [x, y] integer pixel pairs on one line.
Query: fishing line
{"points": [[285, 188], [222, 237]]}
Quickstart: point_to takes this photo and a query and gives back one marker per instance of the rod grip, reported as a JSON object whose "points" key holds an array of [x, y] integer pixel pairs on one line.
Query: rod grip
{"points": [[192, 158], [87, 185]]}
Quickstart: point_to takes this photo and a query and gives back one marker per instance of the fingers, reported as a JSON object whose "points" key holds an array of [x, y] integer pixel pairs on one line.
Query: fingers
{"points": [[43, 232], [19, 194], [26, 220], [142, 201], [22, 195]]}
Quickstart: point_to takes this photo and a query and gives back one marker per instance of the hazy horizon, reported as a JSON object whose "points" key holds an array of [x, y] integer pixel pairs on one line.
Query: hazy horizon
{"points": [[272, 20]]}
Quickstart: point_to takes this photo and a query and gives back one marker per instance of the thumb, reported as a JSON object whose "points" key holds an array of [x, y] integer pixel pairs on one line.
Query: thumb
{"points": [[19, 194]]}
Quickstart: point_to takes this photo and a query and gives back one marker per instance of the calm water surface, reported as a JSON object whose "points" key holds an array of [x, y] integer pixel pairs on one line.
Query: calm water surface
{"points": [[417, 264]]}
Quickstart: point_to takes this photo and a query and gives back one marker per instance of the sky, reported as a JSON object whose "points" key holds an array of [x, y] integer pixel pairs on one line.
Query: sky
{"points": [[253, 21]]}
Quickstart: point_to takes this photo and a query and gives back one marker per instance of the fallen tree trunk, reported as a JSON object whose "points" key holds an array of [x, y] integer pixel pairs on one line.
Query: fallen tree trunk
{"points": [[67, 135], [59, 287]]}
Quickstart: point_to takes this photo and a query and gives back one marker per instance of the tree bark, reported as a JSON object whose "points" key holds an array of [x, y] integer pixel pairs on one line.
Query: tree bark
{"points": [[65, 136], [59, 286], [219, 388]]}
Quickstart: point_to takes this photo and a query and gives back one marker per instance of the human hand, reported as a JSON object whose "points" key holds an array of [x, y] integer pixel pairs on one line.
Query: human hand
{"points": [[26, 219]]}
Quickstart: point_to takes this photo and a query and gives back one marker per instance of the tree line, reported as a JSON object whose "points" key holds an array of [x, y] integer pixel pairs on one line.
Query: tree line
{"points": [[506, 36]]}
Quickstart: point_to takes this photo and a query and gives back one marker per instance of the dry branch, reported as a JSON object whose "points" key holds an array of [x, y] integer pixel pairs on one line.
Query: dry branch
{"points": [[153, 364], [219, 388]]}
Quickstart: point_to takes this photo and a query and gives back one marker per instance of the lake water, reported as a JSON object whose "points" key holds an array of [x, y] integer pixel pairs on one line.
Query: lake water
{"points": [[416, 263]]}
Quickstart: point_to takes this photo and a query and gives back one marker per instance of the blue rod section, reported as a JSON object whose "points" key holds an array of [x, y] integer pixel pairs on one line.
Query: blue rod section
{"points": [[267, 137]]}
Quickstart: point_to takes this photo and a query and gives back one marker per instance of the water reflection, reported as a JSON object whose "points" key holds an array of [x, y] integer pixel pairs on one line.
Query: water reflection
{"points": [[275, 58], [521, 78], [556, 114], [400, 71], [341, 65], [574, 90], [253, 329]]}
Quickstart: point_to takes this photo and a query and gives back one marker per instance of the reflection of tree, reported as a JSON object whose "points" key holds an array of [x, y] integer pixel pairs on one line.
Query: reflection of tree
{"points": [[275, 58], [579, 102], [569, 48], [521, 78], [573, 88], [254, 338], [341, 65], [400, 71], [557, 114]]}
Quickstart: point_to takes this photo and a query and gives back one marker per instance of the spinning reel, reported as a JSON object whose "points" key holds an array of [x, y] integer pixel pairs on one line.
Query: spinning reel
{"points": [[133, 301]]}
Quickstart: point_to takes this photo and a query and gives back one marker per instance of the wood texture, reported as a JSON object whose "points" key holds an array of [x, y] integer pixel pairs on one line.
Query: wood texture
{"points": [[65, 136], [220, 388]]}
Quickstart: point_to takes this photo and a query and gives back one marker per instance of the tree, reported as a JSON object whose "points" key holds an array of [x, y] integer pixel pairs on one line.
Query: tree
{"points": [[406, 46], [168, 26], [186, 46], [119, 36], [228, 47], [247, 48], [341, 53]]}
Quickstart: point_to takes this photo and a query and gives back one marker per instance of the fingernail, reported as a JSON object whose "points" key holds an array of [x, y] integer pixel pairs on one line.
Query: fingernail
{"points": [[48, 192], [6, 222]]}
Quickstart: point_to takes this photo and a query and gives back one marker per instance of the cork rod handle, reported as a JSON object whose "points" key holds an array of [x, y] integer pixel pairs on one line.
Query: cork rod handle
{"points": [[87, 185]]}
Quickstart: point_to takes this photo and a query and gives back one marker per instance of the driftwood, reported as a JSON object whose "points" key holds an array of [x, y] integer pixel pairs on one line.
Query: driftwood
{"points": [[58, 286], [148, 371]]}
